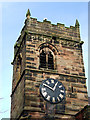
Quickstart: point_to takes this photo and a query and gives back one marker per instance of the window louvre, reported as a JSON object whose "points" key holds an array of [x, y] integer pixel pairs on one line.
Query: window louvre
{"points": [[43, 60], [46, 60], [50, 61]]}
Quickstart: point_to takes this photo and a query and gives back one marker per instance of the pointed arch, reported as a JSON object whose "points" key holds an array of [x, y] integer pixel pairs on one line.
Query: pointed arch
{"points": [[50, 46], [47, 56]]}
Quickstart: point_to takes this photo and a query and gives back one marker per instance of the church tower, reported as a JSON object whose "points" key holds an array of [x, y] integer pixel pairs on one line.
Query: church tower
{"points": [[49, 80]]}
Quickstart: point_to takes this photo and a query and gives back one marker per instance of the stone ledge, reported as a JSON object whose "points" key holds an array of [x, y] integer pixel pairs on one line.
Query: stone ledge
{"points": [[32, 109], [59, 37], [54, 72]]}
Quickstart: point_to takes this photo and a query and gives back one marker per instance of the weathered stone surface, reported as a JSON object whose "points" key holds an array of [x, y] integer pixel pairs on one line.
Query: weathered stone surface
{"points": [[32, 109], [65, 45]]}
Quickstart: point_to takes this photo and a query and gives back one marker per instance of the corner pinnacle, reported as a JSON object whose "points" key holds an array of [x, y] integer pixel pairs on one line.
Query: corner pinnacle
{"points": [[28, 14], [77, 23]]}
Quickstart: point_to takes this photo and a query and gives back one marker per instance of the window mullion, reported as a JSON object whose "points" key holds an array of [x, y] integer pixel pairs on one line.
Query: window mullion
{"points": [[46, 60]]}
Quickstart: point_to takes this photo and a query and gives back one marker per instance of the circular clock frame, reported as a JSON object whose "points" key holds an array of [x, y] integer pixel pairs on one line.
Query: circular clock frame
{"points": [[52, 90]]}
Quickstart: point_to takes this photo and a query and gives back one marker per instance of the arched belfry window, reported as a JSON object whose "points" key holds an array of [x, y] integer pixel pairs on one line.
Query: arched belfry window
{"points": [[50, 61], [46, 59], [42, 59]]}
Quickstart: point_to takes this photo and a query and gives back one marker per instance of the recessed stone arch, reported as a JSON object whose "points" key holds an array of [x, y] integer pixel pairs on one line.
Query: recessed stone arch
{"points": [[48, 45], [50, 51]]}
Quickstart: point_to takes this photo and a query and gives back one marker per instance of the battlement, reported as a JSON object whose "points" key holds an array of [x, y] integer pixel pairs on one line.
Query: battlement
{"points": [[47, 28], [32, 25]]}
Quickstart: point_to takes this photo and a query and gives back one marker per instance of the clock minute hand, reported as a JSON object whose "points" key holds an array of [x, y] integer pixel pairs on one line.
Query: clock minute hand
{"points": [[47, 86], [55, 86]]}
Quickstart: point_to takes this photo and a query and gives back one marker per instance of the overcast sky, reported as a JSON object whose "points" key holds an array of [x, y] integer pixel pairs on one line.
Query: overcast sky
{"points": [[12, 17]]}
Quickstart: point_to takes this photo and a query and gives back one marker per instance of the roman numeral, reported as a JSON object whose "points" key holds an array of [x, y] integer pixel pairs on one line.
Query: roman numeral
{"points": [[52, 81], [53, 99], [58, 99], [60, 86], [62, 91], [47, 82], [44, 94], [48, 97], [61, 96], [43, 89]]}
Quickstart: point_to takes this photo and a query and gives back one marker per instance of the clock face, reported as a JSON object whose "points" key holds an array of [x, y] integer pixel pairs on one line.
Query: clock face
{"points": [[52, 90]]}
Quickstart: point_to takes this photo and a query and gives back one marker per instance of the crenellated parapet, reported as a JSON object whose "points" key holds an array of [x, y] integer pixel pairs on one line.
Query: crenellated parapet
{"points": [[47, 28]]}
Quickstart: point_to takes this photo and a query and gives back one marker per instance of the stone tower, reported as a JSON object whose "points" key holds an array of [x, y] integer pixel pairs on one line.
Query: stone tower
{"points": [[47, 51]]}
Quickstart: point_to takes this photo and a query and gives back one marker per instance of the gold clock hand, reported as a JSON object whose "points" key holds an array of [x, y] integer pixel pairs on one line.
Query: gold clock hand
{"points": [[47, 86], [55, 86]]}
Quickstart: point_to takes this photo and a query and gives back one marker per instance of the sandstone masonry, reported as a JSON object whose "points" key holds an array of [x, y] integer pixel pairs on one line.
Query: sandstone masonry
{"points": [[66, 46]]}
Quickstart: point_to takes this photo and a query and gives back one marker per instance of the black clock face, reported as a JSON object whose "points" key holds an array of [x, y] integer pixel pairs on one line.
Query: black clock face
{"points": [[52, 90]]}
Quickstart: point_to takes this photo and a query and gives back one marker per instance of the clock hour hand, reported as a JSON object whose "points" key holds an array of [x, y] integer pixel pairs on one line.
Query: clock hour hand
{"points": [[47, 86], [55, 86]]}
